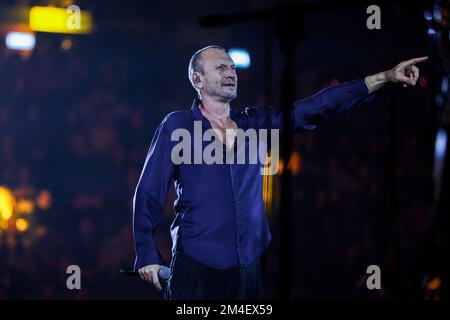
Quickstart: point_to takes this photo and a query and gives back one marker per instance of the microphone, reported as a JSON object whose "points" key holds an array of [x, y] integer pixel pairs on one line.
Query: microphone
{"points": [[163, 273]]}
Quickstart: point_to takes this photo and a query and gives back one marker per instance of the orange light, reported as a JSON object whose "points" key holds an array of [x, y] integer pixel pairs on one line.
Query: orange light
{"points": [[280, 166], [24, 207], [66, 3], [434, 284], [66, 44], [295, 163], [44, 200]]}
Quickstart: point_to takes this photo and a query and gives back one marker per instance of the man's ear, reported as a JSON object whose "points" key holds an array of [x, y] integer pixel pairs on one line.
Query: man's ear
{"points": [[197, 80]]}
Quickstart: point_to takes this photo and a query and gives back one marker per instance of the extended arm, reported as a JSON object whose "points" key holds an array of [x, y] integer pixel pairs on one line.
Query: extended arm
{"points": [[335, 100]]}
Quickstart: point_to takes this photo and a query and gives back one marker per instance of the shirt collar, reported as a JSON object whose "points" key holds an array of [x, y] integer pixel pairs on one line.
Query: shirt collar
{"points": [[196, 110], [235, 114]]}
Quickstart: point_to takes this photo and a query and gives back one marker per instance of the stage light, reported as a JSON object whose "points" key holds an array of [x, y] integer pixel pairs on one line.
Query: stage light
{"points": [[44, 200], [434, 284], [431, 32], [22, 225], [4, 224], [295, 163], [437, 14], [20, 41], [24, 207], [280, 166], [423, 82], [268, 191], [240, 57], [444, 85], [428, 16], [441, 144], [66, 44], [439, 100], [7, 203], [60, 20]]}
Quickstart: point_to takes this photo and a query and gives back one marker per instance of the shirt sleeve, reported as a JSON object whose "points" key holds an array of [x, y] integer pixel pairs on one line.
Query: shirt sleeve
{"points": [[308, 113], [150, 197]]}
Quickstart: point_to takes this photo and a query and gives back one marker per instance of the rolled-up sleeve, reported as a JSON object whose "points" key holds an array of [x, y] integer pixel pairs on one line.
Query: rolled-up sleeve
{"points": [[150, 197]]}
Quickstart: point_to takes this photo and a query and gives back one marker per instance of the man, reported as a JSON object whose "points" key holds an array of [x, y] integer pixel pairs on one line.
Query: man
{"points": [[220, 229]]}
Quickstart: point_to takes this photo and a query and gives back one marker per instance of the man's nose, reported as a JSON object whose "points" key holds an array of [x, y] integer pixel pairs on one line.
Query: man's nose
{"points": [[231, 75]]}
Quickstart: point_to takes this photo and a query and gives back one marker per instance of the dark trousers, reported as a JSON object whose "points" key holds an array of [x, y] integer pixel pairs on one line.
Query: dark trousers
{"points": [[192, 280]]}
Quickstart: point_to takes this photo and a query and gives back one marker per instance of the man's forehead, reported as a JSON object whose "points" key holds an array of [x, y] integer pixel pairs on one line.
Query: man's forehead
{"points": [[215, 55]]}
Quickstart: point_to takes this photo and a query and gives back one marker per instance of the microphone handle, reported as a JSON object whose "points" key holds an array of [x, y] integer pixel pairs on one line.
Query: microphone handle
{"points": [[163, 273]]}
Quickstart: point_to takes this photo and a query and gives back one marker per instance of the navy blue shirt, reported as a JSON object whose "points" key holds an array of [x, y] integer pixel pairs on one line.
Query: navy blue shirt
{"points": [[220, 219]]}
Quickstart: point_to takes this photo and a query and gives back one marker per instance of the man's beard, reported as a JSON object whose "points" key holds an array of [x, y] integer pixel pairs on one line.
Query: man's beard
{"points": [[225, 95]]}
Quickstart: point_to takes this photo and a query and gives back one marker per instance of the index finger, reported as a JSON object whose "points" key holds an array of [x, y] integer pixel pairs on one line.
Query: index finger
{"points": [[414, 61]]}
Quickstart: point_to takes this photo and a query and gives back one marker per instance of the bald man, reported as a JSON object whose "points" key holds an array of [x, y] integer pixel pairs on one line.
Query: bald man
{"points": [[220, 230]]}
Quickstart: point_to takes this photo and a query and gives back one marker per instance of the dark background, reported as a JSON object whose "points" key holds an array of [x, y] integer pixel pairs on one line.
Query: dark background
{"points": [[78, 123]]}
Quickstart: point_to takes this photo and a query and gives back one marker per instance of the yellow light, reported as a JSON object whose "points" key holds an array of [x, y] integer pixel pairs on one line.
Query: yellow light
{"points": [[22, 225], [267, 186], [60, 20], [3, 224], [25, 207], [7, 202]]}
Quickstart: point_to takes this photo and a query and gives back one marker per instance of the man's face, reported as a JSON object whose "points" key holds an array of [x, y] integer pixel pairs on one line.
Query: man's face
{"points": [[219, 78]]}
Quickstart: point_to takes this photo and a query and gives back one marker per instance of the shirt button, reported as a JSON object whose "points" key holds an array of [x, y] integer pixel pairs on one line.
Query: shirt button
{"points": [[238, 202]]}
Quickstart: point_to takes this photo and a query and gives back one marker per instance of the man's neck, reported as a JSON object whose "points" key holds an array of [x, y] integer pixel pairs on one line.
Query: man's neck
{"points": [[215, 110]]}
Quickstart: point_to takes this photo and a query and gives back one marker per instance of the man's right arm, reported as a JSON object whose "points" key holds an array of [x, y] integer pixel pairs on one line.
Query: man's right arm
{"points": [[149, 202]]}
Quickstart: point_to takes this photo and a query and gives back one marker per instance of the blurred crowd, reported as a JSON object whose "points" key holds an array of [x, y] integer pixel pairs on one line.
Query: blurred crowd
{"points": [[70, 124]]}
